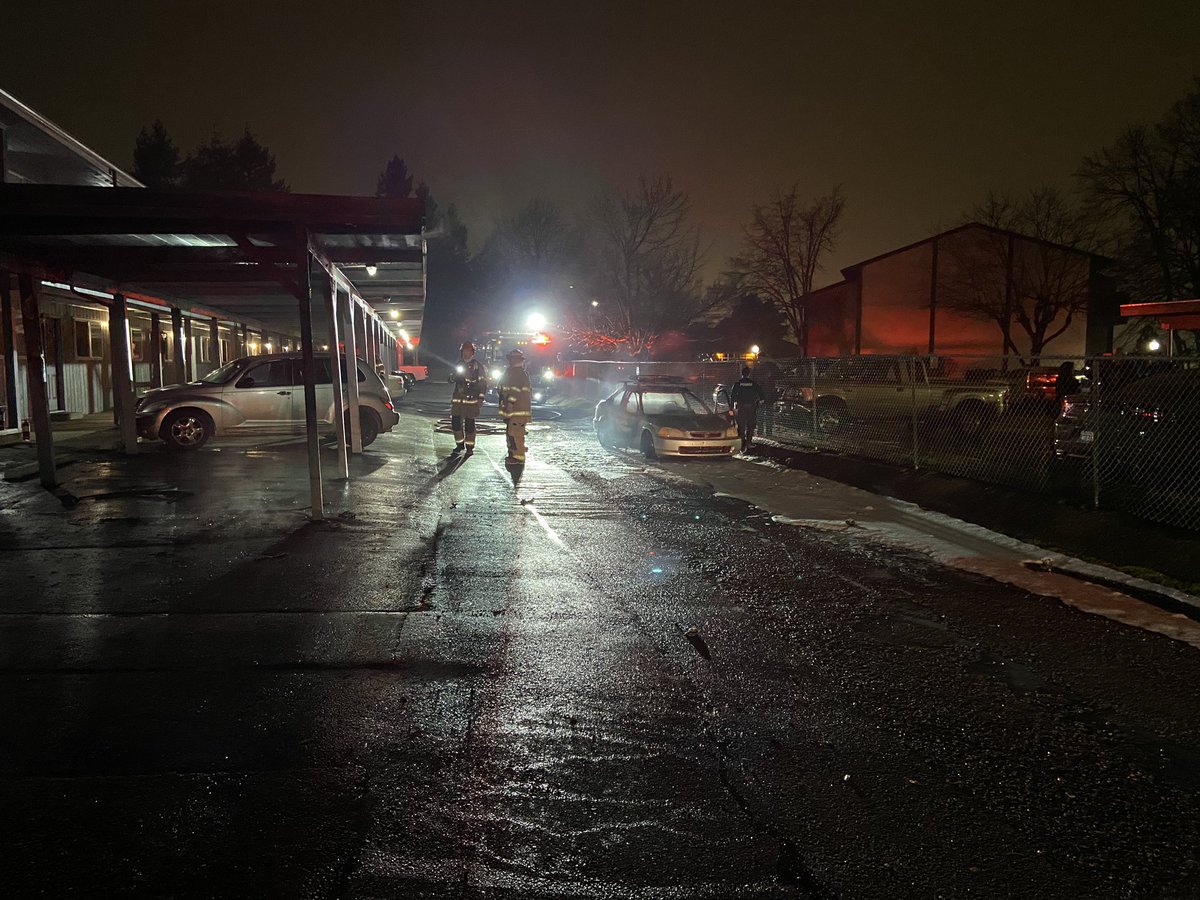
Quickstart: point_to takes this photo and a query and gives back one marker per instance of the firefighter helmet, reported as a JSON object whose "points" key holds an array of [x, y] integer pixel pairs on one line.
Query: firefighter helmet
{"points": [[515, 356]]}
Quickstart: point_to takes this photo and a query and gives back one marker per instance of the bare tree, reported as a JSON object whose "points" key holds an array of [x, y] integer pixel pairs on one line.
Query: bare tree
{"points": [[1029, 266], [1147, 186], [783, 251], [646, 260], [531, 255]]}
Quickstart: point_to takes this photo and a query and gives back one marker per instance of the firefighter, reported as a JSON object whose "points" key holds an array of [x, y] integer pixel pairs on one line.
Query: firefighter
{"points": [[746, 396], [470, 387], [516, 406]]}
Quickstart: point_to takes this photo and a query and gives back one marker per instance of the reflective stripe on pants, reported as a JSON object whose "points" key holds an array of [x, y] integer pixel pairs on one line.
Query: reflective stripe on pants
{"points": [[516, 439], [464, 429]]}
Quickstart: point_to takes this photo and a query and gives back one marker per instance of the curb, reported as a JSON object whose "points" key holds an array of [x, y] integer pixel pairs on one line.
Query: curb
{"points": [[1166, 598]]}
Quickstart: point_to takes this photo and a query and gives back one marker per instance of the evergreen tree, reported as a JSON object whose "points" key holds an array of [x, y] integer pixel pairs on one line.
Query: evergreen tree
{"points": [[395, 181], [156, 158], [244, 166]]}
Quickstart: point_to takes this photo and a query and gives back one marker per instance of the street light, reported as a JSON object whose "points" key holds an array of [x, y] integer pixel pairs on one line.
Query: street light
{"points": [[371, 270], [595, 303], [1154, 346], [754, 349], [536, 321], [395, 313]]}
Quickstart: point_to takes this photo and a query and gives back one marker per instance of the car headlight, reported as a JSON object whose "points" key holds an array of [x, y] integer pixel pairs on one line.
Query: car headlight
{"points": [[497, 374], [548, 375], [537, 396], [665, 432]]}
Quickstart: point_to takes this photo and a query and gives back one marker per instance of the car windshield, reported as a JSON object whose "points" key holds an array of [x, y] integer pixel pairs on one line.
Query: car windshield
{"points": [[223, 374], [677, 402]]}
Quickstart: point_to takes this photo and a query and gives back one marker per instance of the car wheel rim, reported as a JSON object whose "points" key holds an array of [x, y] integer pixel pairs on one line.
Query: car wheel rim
{"points": [[829, 420], [187, 432]]}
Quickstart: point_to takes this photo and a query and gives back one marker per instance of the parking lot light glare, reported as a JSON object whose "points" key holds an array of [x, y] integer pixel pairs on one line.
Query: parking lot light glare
{"points": [[536, 321]]}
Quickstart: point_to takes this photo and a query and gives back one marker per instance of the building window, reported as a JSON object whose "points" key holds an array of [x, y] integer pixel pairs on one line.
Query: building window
{"points": [[137, 344], [89, 343]]}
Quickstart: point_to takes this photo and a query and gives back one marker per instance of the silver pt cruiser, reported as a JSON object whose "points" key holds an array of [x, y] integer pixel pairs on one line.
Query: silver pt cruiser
{"points": [[257, 394]]}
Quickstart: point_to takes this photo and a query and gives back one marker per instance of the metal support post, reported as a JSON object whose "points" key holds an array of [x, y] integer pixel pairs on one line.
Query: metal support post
{"points": [[352, 375], [308, 368], [914, 365], [812, 386], [8, 348], [188, 361], [156, 369], [214, 343], [329, 290], [1093, 418], [122, 371], [245, 351], [178, 340], [35, 379]]}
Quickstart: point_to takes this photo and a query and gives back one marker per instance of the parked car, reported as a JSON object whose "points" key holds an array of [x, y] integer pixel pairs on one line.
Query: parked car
{"points": [[398, 386], [1151, 424], [418, 373], [877, 388], [257, 394], [662, 417]]}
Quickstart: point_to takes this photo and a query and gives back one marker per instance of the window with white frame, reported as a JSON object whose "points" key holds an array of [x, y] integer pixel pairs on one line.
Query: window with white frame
{"points": [[89, 340]]}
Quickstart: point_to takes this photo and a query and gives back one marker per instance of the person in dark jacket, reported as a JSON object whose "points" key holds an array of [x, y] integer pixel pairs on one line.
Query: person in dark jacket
{"points": [[470, 387], [746, 396]]}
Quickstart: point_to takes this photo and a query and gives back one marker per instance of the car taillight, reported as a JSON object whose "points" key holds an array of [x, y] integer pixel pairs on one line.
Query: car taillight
{"points": [[389, 405]]}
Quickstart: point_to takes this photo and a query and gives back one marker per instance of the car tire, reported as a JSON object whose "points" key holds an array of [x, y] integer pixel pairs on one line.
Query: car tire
{"points": [[368, 426], [186, 429], [648, 446], [832, 416], [605, 436], [972, 418]]}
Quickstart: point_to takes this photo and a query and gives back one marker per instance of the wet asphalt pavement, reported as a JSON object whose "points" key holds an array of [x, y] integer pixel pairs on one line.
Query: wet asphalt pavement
{"points": [[600, 681]]}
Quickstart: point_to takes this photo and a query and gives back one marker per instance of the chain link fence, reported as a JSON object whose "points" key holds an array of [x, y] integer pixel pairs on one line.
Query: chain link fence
{"points": [[1122, 432], [1118, 432]]}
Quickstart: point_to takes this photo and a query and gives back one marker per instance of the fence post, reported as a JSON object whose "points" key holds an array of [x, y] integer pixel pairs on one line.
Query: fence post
{"points": [[812, 384], [914, 364], [1094, 421]]}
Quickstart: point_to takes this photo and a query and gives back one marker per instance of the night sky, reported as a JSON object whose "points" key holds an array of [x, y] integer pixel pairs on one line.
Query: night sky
{"points": [[915, 108]]}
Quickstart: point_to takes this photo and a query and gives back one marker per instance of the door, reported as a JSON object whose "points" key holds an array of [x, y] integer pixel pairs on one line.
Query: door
{"points": [[264, 397], [879, 391], [323, 381], [628, 417]]}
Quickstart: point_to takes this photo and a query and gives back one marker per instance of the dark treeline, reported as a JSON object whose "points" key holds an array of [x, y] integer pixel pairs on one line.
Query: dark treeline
{"points": [[622, 276]]}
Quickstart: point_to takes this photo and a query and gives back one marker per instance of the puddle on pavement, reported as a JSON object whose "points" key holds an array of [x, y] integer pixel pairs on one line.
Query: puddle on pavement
{"points": [[1020, 678], [906, 631], [167, 495]]}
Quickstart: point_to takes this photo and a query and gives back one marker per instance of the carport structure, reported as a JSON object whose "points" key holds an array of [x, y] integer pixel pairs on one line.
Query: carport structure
{"points": [[241, 257]]}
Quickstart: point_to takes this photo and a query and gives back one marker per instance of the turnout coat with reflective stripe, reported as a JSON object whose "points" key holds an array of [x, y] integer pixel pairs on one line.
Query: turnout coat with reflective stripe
{"points": [[469, 389], [516, 395]]}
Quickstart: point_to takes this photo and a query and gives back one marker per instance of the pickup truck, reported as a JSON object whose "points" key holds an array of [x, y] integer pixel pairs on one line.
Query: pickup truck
{"points": [[872, 388]]}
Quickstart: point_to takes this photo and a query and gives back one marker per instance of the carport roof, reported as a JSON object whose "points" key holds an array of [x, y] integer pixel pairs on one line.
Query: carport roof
{"points": [[233, 253]]}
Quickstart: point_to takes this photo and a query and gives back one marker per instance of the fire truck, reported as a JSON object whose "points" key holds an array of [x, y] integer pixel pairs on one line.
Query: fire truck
{"points": [[541, 358]]}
